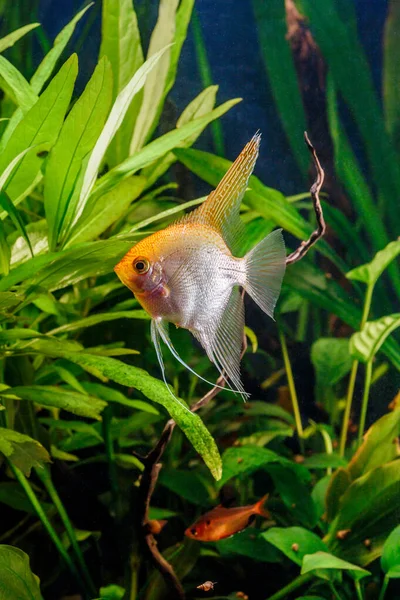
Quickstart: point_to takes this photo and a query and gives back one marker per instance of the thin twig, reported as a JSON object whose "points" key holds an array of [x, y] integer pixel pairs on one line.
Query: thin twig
{"points": [[314, 192]]}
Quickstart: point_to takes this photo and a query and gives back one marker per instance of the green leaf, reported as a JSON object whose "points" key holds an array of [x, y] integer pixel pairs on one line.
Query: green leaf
{"points": [[390, 560], [39, 127], [155, 390], [108, 208], [16, 86], [17, 580], [278, 59], [244, 461], [164, 34], [23, 451], [10, 39], [324, 560], [331, 360], [371, 272], [369, 509], [5, 252], [366, 343], [13, 495], [77, 139], [126, 56], [391, 73], [323, 461], [112, 125], [156, 149], [111, 395], [100, 318], [294, 542], [57, 397], [112, 592], [377, 448], [250, 543], [294, 492]]}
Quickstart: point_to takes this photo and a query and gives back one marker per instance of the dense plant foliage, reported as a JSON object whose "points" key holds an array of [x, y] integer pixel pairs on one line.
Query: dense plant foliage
{"points": [[82, 178]]}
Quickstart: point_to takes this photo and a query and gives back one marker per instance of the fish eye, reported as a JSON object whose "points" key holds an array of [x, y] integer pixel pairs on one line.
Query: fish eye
{"points": [[193, 531], [141, 265]]}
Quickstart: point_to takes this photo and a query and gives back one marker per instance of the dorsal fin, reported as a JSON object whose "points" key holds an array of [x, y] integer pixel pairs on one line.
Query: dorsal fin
{"points": [[221, 209]]}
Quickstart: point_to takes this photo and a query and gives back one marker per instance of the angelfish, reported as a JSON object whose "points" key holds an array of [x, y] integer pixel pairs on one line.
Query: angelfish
{"points": [[222, 522], [188, 274]]}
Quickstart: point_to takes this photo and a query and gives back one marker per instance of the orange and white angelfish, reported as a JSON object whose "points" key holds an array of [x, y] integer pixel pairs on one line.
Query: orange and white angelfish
{"points": [[187, 274]]}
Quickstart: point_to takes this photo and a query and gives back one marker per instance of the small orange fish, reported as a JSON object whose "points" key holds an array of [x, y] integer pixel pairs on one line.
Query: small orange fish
{"points": [[207, 586], [188, 275], [221, 522]]}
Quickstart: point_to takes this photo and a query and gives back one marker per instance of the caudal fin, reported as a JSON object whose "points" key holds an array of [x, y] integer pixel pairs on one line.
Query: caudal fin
{"points": [[259, 507], [265, 268]]}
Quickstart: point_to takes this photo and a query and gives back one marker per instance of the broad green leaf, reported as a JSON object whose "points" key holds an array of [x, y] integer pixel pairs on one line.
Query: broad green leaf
{"points": [[244, 461], [331, 360], [77, 139], [17, 582], [336, 36], [23, 451], [369, 509], [324, 560], [186, 484], [371, 272], [250, 543], [294, 542], [16, 86], [57, 397], [126, 56], [108, 208], [163, 35], [391, 72], [157, 148], [366, 343], [112, 592], [390, 560], [112, 125], [377, 448], [338, 484], [17, 333], [295, 494], [255, 408], [99, 318], [39, 127], [155, 390], [200, 106], [10, 39], [278, 59]]}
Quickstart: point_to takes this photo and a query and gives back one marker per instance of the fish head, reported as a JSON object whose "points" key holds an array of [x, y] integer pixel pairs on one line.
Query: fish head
{"points": [[140, 269], [200, 530]]}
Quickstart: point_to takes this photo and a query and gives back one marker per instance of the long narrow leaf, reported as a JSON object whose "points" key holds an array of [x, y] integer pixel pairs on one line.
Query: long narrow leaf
{"points": [[112, 125], [391, 72], [10, 39], [77, 139], [15, 84]]}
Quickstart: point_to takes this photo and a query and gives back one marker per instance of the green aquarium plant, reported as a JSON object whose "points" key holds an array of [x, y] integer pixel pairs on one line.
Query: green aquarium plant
{"points": [[84, 417]]}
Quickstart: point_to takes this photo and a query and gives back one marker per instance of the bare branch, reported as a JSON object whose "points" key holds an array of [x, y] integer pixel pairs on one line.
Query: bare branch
{"points": [[314, 191]]}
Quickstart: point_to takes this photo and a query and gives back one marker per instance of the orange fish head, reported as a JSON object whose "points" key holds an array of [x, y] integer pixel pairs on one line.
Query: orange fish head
{"points": [[139, 269], [194, 532]]}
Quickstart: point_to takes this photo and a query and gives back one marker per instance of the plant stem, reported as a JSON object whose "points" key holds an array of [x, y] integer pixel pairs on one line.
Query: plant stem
{"points": [[384, 588], [358, 590], [24, 483], [296, 583], [334, 591], [44, 476], [292, 388], [135, 564], [353, 374], [364, 404]]}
